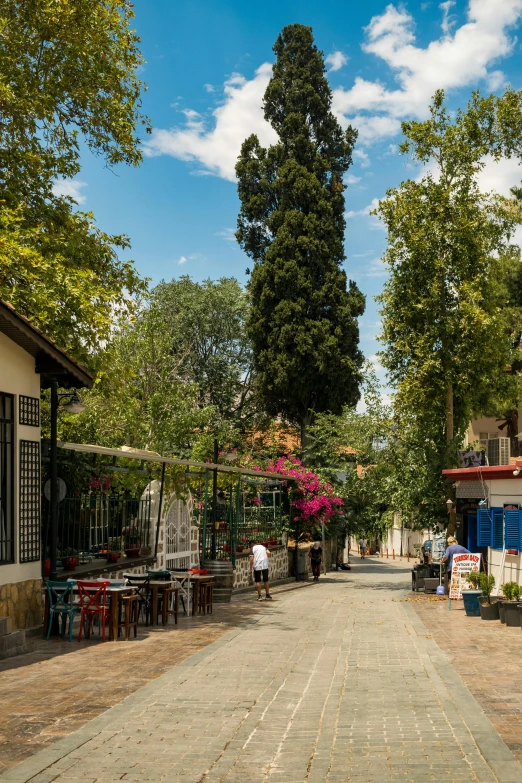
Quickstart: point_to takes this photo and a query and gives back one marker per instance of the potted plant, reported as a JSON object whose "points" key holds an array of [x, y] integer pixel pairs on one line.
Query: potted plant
{"points": [[488, 607], [114, 549], [132, 541], [509, 608], [471, 596]]}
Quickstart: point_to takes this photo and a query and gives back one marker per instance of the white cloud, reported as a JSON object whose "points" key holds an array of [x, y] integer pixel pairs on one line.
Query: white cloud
{"points": [[361, 157], [182, 260], [216, 148], [447, 21], [351, 179], [71, 188], [209, 87], [228, 233], [462, 56], [365, 211], [459, 58], [336, 60]]}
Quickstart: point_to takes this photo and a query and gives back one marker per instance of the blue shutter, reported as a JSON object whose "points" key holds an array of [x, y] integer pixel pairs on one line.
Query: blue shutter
{"points": [[484, 517], [498, 528], [513, 529]]}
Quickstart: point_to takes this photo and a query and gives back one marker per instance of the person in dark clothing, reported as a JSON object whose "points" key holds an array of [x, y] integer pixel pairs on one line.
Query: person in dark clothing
{"points": [[316, 555]]}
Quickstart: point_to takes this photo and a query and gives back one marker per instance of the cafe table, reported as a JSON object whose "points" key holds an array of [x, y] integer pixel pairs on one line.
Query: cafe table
{"points": [[188, 580], [115, 593]]}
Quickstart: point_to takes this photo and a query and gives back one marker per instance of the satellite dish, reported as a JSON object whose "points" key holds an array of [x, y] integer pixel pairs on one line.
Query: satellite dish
{"points": [[61, 489]]}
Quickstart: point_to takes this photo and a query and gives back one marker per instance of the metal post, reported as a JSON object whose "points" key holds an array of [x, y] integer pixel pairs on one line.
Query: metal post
{"points": [[324, 548], [53, 522], [159, 510], [296, 549], [402, 532], [205, 508], [214, 501]]}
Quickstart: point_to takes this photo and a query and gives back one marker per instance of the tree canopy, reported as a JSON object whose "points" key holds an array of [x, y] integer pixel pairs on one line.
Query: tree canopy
{"points": [[68, 75], [303, 321]]}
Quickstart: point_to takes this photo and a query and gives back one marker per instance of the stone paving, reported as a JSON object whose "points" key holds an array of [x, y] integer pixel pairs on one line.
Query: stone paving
{"points": [[338, 681], [487, 655]]}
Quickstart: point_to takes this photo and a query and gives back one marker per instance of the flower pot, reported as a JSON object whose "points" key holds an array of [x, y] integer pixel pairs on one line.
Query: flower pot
{"points": [[503, 603], [512, 614], [132, 551], [520, 613], [69, 563], [47, 567], [239, 548], [225, 547], [113, 557], [489, 611], [471, 602]]}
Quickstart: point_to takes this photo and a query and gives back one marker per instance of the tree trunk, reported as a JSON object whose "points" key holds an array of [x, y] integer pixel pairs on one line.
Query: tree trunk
{"points": [[305, 441], [449, 413]]}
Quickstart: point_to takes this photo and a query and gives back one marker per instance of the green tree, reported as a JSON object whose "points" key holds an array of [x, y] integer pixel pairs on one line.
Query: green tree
{"points": [[303, 321], [444, 339], [205, 323], [67, 74], [175, 377]]}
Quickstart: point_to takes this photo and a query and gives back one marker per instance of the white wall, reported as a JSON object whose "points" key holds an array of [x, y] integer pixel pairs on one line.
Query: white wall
{"points": [[18, 376]]}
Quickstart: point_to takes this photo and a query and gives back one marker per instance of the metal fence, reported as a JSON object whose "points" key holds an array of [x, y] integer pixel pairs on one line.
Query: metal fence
{"points": [[240, 521], [89, 525]]}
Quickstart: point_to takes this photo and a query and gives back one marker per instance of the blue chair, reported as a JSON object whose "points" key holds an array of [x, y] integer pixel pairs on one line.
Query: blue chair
{"points": [[61, 597]]}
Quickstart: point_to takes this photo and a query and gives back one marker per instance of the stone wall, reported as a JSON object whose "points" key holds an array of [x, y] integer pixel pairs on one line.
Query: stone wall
{"points": [[21, 602], [279, 567]]}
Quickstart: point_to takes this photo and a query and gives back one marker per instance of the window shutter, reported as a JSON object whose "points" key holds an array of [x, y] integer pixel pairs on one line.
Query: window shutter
{"points": [[498, 528], [484, 516], [513, 529]]}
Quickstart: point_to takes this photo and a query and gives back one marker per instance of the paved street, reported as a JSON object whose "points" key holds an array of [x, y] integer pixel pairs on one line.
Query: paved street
{"points": [[339, 681]]}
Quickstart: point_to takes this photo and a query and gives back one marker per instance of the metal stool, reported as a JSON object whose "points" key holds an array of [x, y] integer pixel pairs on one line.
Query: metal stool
{"points": [[169, 604], [130, 615]]}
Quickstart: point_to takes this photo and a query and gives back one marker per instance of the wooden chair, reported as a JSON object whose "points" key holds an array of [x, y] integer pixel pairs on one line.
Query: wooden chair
{"points": [[169, 604], [206, 596], [131, 605]]}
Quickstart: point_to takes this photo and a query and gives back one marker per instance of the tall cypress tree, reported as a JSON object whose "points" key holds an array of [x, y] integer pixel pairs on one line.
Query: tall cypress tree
{"points": [[303, 320]]}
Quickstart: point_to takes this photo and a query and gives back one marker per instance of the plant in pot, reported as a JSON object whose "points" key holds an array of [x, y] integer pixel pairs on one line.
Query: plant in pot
{"points": [[114, 549], [488, 607], [132, 541], [471, 596], [509, 609]]}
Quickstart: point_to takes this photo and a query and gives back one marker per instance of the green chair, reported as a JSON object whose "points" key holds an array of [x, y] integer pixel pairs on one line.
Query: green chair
{"points": [[61, 595]]}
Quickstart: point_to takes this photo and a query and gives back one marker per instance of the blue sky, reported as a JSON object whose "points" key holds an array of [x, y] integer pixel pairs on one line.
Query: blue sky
{"points": [[208, 63]]}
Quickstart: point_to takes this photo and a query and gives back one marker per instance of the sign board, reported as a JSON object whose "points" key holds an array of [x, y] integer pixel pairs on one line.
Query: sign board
{"points": [[460, 567], [61, 489]]}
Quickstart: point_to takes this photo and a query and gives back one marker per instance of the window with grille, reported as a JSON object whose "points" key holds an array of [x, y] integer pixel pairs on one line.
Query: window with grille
{"points": [[6, 478], [29, 412], [29, 501]]}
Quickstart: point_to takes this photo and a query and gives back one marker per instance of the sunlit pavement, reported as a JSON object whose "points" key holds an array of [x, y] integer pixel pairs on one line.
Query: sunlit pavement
{"points": [[337, 681]]}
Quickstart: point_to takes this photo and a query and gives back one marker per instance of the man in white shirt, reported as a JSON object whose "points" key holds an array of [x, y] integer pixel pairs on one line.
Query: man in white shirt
{"points": [[259, 564], [362, 547]]}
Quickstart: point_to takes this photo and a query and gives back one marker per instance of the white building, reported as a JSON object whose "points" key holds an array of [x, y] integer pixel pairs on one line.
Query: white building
{"points": [[494, 526], [29, 361]]}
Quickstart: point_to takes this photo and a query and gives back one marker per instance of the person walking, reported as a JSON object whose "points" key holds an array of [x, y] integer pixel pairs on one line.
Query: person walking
{"points": [[316, 555], [259, 565], [363, 544]]}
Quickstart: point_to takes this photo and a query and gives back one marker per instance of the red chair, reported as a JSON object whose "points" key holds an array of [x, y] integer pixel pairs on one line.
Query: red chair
{"points": [[93, 603]]}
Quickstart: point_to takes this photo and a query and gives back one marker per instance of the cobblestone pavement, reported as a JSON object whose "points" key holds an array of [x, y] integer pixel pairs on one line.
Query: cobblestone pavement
{"points": [[339, 681], [487, 655]]}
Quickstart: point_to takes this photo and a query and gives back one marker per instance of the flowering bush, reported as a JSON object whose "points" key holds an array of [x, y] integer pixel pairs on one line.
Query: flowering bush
{"points": [[102, 484], [314, 501]]}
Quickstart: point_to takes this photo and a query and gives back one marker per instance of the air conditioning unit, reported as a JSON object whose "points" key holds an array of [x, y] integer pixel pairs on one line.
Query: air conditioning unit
{"points": [[498, 451]]}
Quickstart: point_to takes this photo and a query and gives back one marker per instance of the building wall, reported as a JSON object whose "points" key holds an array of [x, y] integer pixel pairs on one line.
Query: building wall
{"points": [[278, 566], [482, 425], [500, 492], [20, 583]]}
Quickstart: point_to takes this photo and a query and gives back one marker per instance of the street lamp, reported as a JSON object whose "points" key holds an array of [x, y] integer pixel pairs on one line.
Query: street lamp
{"points": [[449, 505]]}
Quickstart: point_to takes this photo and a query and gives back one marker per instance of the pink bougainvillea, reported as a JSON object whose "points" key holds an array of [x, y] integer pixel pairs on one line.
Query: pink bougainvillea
{"points": [[314, 501], [102, 484]]}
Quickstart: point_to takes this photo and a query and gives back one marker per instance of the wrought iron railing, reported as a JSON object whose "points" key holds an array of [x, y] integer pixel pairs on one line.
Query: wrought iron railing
{"points": [[237, 525], [91, 525]]}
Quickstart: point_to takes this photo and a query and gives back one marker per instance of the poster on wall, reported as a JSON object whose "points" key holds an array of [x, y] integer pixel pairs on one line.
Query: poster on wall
{"points": [[460, 567]]}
